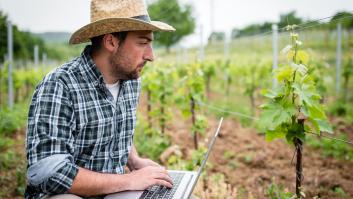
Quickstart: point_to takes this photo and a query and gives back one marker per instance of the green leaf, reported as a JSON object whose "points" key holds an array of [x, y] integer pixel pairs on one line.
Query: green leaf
{"points": [[304, 110], [316, 112], [321, 125], [307, 128], [272, 94], [290, 55], [284, 73], [200, 125], [295, 134], [275, 114], [316, 128], [278, 133], [306, 93], [302, 57], [286, 49], [300, 68], [325, 126]]}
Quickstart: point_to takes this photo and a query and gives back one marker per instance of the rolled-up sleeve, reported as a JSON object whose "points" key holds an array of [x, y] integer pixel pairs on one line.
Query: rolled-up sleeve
{"points": [[50, 139]]}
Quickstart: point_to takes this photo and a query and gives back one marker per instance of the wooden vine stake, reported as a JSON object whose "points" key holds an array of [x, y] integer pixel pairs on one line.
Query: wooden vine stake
{"points": [[299, 165], [193, 120]]}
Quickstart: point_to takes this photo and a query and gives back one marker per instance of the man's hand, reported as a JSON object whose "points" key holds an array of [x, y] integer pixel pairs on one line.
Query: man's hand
{"points": [[140, 163], [135, 162], [148, 176], [145, 173]]}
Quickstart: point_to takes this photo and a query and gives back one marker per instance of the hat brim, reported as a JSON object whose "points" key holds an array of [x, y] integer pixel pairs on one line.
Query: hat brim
{"points": [[110, 25]]}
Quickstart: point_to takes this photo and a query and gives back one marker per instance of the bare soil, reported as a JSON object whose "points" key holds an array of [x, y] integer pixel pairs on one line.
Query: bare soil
{"points": [[253, 163]]}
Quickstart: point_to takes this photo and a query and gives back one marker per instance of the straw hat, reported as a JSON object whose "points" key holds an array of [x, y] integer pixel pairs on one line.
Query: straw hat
{"points": [[108, 16]]}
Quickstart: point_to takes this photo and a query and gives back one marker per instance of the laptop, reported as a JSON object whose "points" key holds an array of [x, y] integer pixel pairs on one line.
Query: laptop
{"points": [[184, 182]]}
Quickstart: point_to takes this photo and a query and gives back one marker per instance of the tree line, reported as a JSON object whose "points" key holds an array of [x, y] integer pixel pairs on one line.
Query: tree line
{"points": [[23, 43], [345, 18]]}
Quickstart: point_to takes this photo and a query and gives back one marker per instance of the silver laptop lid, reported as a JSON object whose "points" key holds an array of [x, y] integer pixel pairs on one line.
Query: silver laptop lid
{"points": [[206, 155]]}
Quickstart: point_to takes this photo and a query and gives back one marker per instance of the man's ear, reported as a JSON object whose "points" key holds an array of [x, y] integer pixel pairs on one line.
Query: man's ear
{"points": [[110, 42]]}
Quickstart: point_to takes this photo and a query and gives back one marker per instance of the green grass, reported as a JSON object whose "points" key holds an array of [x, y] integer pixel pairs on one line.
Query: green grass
{"points": [[6, 143], [12, 166], [13, 119], [12, 159], [277, 191], [339, 192], [228, 154]]}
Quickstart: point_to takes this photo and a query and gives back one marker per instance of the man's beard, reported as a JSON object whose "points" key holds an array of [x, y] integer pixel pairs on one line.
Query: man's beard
{"points": [[120, 66]]}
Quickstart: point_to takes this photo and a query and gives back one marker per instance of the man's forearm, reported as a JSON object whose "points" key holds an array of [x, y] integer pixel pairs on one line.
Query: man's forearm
{"points": [[89, 183], [133, 156]]}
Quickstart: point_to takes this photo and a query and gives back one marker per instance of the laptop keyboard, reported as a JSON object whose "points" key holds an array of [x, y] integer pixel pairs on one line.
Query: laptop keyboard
{"points": [[158, 191]]}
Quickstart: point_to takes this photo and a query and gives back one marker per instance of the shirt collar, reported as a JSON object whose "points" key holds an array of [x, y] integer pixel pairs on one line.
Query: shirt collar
{"points": [[89, 68]]}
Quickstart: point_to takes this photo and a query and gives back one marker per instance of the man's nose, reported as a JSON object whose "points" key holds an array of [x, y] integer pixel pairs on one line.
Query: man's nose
{"points": [[149, 56]]}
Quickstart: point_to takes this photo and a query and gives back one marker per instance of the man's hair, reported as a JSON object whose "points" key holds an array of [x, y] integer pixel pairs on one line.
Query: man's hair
{"points": [[97, 41]]}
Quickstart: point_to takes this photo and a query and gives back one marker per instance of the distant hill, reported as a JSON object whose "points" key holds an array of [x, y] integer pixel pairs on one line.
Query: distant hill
{"points": [[54, 37]]}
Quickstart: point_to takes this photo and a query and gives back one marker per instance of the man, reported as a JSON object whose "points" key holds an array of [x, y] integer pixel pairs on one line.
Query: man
{"points": [[83, 114]]}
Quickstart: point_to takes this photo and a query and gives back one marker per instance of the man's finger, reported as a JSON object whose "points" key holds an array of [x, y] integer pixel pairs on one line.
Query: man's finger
{"points": [[164, 177], [163, 183]]}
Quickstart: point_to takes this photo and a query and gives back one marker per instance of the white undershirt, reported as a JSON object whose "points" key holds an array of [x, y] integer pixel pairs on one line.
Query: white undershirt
{"points": [[113, 89]]}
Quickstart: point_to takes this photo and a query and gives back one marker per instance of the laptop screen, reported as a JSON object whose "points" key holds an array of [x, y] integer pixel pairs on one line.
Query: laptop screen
{"points": [[207, 154]]}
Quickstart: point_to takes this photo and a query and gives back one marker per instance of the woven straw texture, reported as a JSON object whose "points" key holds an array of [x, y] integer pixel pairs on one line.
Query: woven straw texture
{"points": [[108, 16]]}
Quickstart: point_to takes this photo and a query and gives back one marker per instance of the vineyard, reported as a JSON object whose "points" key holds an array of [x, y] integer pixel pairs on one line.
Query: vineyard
{"points": [[288, 129], [182, 103]]}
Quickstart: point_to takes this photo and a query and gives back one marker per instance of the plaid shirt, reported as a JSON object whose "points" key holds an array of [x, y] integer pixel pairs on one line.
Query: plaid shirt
{"points": [[74, 122]]}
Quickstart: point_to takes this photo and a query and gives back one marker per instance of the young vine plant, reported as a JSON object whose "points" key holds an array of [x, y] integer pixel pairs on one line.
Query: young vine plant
{"points": [[191, 91], [158, 84], [293, 107], [294, 97]]}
